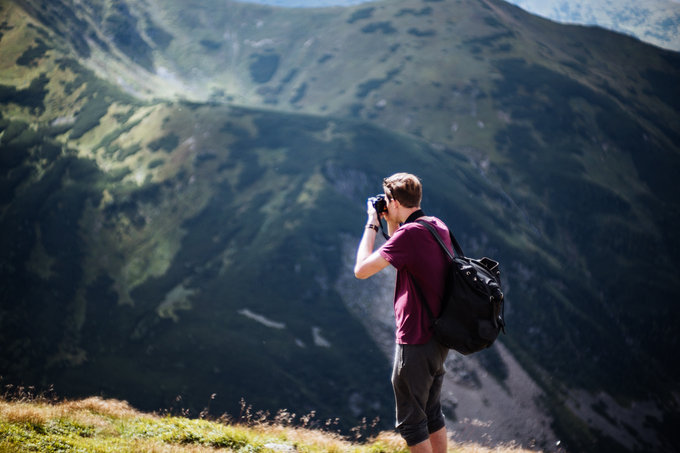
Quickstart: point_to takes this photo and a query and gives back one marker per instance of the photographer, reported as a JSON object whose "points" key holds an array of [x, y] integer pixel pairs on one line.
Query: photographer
{"points": [[419, 359]]}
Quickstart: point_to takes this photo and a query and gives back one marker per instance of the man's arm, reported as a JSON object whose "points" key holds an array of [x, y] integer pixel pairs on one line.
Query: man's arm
{"points": [[369, 262]]}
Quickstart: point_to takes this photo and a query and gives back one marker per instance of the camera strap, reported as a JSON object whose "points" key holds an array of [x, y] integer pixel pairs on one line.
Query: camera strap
{"points": [[412, 218], [385, 235]]}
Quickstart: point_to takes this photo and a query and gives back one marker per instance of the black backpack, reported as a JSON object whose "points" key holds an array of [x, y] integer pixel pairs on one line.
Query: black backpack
{"points": [[472, 312]]}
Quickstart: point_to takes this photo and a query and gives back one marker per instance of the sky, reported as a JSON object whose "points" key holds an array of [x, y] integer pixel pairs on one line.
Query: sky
{"points": [[653, 21]]}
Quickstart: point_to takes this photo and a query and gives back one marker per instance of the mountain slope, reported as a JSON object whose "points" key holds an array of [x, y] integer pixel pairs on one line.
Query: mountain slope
{"points": [[154, 247]]}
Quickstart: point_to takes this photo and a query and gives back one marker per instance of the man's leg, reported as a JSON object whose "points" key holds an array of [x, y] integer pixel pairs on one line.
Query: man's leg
{"points": [[439, 440], [423, 447], [417, 393], [435, 444]]}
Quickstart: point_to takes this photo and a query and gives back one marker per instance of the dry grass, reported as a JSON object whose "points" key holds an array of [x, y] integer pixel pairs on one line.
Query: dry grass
{"points": [[103, 425], [40, 412]]}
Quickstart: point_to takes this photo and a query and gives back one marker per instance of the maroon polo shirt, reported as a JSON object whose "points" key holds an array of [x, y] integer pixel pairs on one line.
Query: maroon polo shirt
{"points": [[416, 255]]}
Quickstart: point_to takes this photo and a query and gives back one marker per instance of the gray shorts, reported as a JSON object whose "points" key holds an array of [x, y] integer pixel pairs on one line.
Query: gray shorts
{"points": [[417, 381]]}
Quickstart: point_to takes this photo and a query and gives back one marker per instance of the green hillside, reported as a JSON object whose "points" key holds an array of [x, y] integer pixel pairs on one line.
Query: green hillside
{"points": [[179, 181]]}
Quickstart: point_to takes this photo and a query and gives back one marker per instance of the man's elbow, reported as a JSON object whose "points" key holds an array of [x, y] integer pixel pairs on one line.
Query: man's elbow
{"points": [[360, 273]]}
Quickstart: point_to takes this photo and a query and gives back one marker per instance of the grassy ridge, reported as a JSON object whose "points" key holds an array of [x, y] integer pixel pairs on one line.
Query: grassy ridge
{"points": [[112, 426]]}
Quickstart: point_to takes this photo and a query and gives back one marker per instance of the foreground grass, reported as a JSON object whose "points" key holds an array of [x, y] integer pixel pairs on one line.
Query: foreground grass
{"points": [[98, 425]]}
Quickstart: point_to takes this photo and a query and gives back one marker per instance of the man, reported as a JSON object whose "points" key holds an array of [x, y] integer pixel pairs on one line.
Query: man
{"points": [[419, 359]]}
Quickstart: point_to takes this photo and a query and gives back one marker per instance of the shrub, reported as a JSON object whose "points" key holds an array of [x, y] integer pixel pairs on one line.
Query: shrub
{"points": [[263, 67], [167, 143]]}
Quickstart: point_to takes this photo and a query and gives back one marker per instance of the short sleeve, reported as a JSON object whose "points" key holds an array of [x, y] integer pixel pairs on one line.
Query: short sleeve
{"points": [[397, 249]]}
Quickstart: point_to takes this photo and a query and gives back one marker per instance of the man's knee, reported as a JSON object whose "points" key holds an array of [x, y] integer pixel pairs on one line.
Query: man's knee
{"points": [[435, 417], [414, 433], [436, 423]]}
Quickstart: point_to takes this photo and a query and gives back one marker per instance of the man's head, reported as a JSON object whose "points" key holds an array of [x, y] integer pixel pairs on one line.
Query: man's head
{"points": [[405, 188]]}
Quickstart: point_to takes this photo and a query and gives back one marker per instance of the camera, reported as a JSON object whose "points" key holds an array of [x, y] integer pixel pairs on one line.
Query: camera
{"points": [[379, 203]]}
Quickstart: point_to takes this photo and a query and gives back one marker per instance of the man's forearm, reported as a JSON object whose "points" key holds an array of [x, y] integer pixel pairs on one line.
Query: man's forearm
{"points": [[369, 262], [365, 246]]}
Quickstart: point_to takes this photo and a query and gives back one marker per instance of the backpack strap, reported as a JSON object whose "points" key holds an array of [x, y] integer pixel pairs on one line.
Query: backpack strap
{"points": [[448, 252], [454, 242]]}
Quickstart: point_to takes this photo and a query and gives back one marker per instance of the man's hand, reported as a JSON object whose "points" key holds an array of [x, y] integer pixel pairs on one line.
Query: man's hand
{"points": [[369, 262], [373, 218]]}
